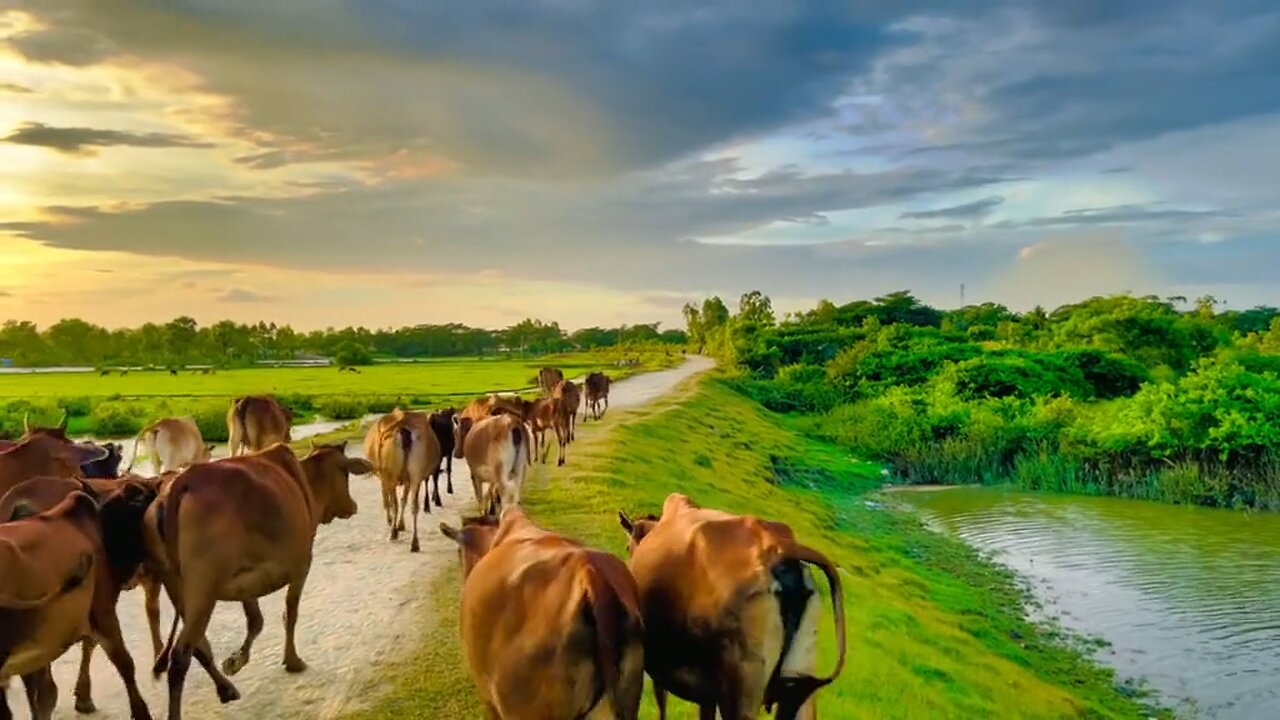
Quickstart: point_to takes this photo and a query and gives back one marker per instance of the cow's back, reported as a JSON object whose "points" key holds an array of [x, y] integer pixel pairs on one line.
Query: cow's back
{"points": [[248, 511], [530, 626]]}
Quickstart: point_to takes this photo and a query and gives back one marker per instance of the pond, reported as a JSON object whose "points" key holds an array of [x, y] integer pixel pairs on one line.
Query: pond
{"points": [[1188, 598]]}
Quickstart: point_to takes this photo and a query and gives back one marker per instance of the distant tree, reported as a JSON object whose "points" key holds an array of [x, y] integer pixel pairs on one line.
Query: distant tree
{"points": [[349, 354]]}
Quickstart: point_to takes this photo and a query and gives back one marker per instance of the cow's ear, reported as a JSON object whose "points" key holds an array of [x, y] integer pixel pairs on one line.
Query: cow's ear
{"points": [[626, 523], [451, 532]]}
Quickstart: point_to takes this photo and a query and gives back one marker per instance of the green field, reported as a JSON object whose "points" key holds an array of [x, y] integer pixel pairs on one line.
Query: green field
{"points": [[934, 630], [120, 405]]}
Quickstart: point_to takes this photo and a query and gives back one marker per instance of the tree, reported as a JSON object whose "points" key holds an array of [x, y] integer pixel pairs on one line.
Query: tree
{"points": [[350, 354], [755, 309]]}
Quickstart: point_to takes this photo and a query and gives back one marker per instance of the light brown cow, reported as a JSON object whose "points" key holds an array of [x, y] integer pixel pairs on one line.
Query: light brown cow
{"points": [[565, 400], [548, 378], [498, 450], [172, 444], [597, 387], [256, 422], [730, 611], [119, 563], [479, 409], [403, 450], [238, 529], [44, 451], [550, 628]]}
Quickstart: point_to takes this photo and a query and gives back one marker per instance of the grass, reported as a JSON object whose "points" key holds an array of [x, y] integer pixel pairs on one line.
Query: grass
{"points": [[447, 377], [120, 406], [935, 630]]}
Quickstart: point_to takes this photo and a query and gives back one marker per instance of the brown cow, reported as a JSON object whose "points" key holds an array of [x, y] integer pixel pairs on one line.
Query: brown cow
{"points": [[403, 450], [548, 378], [119, 561], [238, 529], [498, 451], [730, 611], [565, 400], [44, 451], [541, 418], [256, 422], [172, 444], [597, 386], [481, 408], [550, 628]]}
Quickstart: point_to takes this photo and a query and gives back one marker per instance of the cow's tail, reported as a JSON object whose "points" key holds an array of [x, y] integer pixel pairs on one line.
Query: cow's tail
{"points": [[794, 691], [522, 438], [601, 610], [150, 445], [167, 521]]}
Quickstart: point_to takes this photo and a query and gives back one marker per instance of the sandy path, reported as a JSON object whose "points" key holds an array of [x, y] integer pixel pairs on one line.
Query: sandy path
{"points": [[360, 599]]}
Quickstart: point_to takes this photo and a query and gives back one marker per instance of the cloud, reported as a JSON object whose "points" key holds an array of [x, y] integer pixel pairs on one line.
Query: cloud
{"points": [[1067, 267], [975, 209], [241, 295], [5, 293], [550, 88], [1115, 215], [83, 140], [15, 89]]}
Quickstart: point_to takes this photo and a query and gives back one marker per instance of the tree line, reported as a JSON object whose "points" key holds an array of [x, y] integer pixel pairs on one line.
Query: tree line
{"points": [[1161, 398], [183, 341]]}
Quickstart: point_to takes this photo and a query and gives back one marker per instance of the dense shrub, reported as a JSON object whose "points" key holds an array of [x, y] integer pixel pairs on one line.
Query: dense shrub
{"points": [[116, 418], [342, 408]]}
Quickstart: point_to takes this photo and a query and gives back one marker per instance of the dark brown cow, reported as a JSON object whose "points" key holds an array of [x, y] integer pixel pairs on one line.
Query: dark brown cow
{"points": [[238, 529], [565, 401], [498, 453], [442, 425], [257, 422], [597, 386], [119, 563], [548, 378], [550, 628], [44, 451], [730, 611]]}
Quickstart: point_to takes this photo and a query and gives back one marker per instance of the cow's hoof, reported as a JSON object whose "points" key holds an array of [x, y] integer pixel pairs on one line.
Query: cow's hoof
{"points": [[228, 693], [560, 462], [85, 706], [437, 501], [234, 663], [294, 665], [413, 547]]}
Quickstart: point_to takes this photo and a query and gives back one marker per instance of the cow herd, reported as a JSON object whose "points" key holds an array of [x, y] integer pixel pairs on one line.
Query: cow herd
{"points": [[717, 609]]}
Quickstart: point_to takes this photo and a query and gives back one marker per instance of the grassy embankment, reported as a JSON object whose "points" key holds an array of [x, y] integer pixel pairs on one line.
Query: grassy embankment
{"points": [[935, 631], [120, 405]]}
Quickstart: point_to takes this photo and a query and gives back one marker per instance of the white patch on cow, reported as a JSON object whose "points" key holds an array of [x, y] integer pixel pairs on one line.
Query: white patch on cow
{"points": [[802, 656]]}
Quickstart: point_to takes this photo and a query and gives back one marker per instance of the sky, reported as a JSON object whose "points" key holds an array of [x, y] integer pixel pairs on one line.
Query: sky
{"points": [[390, 162]]}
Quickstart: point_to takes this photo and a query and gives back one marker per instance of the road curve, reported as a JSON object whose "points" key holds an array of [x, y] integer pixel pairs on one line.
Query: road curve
{"points": [[358, 609]]}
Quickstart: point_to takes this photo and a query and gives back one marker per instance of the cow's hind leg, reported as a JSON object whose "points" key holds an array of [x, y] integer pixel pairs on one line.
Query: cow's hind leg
{"points": [[42, 693], [107, 627], [448, 467], [151, 602], [403, 507], [197, 609], [417, 488], [84, 685], [292, 598], [253, 622]]}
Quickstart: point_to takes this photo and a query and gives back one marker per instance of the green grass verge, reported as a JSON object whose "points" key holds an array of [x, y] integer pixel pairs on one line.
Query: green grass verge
{"points": [[935, 631]]}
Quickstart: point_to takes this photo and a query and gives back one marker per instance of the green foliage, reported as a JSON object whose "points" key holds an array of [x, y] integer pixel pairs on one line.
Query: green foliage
{"points": [[349, 354], [115, 419], [1124, 395]]}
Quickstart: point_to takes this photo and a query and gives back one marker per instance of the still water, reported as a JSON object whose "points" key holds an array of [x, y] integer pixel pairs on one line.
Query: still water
{"points": [[1189, 598]]}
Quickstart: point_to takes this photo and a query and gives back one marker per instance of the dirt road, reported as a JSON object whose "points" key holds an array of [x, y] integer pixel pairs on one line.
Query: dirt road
{"points": [[357, 609]]}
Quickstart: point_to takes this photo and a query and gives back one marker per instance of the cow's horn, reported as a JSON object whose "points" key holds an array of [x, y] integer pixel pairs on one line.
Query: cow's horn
{"points": [[62, 422], [26, 426]]}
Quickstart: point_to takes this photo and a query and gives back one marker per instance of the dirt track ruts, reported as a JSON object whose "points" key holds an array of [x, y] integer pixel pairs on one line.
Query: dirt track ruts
{"points": [[358, 608]]}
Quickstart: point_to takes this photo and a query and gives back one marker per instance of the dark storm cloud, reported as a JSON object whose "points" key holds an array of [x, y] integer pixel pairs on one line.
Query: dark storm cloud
{"points": [[82, 140]]}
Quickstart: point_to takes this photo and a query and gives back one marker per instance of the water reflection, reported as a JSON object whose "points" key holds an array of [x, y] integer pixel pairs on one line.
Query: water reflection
{"points": [[1188, 597]]}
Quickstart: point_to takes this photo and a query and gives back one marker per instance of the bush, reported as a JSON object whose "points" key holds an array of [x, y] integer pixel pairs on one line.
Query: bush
{"points": [[342, 408], [350, 354], [117, 419]]}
